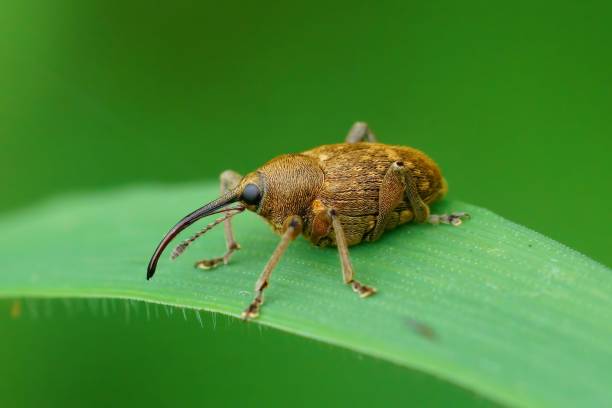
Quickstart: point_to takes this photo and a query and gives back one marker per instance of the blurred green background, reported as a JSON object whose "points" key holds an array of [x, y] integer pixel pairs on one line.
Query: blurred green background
{"points": [[513, 100]]}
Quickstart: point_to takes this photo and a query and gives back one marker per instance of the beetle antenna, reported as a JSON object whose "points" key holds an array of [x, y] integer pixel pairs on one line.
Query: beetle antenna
{"points": [[229, 213]]}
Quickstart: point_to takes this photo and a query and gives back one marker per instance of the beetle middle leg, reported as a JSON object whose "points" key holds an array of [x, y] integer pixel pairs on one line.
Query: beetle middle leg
{"points": [[229, 180], [293, 228], [359, 132], [347, 267]]}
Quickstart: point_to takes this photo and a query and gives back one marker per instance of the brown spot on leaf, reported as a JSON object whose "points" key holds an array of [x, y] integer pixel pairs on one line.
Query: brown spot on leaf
{"points": [[422, 329]]}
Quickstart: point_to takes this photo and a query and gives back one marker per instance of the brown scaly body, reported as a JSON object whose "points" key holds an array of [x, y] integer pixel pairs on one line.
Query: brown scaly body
{"points": [[353, 176], [339, 194]]}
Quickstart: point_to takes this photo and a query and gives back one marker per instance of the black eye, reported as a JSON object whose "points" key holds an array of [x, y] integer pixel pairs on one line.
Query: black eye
{"points": [[251, 194]]}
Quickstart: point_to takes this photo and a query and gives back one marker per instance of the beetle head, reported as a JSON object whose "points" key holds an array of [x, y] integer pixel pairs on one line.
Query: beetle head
{"points": [[282, 187]]}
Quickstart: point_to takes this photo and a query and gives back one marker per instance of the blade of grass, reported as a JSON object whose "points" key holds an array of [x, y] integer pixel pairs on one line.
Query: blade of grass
{"points": [[491, 305]]}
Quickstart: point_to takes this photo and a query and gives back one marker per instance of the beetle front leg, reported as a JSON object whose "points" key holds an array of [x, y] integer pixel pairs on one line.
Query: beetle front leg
{"points": [[229, 180], [359, 132], [347, 267], [293, 228]]}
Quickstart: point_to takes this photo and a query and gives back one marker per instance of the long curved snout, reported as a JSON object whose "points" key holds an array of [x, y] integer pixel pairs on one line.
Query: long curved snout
{"points": [[209, 209]]}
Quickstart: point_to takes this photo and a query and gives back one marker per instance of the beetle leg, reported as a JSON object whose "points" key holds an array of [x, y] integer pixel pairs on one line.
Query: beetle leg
{"points": [[293, 228], [360, 132], [454, 219], [399, 185], [347, 267], [419, 208], [229, 180], [391, 194]]}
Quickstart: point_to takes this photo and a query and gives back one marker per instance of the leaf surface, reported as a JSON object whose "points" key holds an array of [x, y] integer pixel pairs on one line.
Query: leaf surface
{"points": [[491, 305]]}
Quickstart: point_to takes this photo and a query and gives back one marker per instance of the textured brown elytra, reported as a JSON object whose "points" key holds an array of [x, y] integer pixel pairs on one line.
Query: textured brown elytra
{"points": [[339, 195]]}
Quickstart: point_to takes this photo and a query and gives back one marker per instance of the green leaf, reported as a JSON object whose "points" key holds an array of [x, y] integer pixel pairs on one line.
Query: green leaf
{"points": [[491, 305]]}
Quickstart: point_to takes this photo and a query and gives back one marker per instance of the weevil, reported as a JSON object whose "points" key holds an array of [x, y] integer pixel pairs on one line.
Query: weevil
{"points": [[335, 195]]}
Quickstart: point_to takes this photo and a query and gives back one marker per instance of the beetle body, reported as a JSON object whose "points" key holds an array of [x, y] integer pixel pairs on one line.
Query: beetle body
{"points": [[348, 178], [336, 195]]}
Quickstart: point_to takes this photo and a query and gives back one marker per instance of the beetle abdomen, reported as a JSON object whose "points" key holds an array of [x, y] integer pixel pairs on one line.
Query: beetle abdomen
{"points": [[353, 174]]}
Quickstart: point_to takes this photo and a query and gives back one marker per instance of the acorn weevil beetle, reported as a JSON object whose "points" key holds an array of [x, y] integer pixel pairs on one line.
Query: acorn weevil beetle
{"points": [[335, 195]]}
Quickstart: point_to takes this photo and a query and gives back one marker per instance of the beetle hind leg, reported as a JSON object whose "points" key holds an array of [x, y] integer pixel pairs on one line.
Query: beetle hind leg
{"points": [[421, 210], [229, 180], [455, 219], [398, 186]]}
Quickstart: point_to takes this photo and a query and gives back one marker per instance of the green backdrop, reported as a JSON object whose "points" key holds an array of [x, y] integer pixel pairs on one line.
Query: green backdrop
{"points": [[513, 100]]}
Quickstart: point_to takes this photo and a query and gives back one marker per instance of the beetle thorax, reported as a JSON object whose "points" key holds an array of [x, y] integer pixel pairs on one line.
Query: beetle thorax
{"points": [[291, 183]]}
